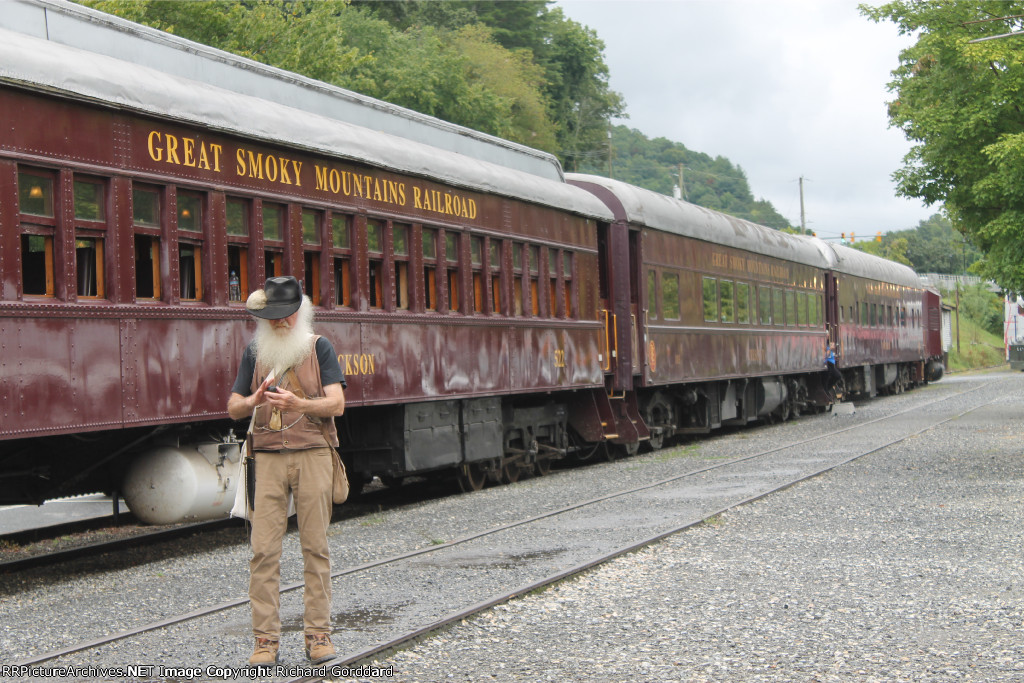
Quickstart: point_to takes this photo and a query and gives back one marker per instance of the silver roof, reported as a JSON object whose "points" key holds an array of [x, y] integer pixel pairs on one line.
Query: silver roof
{"points": [[660, 212], [40, 65], [73, 25], [855, 262]]}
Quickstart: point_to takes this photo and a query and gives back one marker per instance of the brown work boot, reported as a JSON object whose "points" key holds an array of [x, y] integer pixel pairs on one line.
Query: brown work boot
{"points": [[319, 647], [265, 653]]}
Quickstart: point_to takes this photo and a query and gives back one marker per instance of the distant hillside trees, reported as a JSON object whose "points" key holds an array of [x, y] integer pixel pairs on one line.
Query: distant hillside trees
{"points": [[714, 183]]}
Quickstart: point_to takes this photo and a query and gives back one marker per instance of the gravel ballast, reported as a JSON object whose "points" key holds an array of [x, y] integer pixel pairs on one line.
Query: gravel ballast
{"points": [[902, 566]]}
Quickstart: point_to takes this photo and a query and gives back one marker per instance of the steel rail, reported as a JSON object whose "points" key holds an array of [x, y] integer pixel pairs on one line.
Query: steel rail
{"points": [[238, 602]]}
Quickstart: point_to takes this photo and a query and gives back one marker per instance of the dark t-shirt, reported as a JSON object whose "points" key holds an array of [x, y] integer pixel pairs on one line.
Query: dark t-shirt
{"points": [[330, 370]]}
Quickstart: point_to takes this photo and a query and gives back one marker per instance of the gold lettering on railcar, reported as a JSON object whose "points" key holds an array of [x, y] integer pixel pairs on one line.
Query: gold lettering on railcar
{"points": [[193, 152], [748, 267], [355, 364], [755, 355], [166, 147], [559, 358], [272, 167]]}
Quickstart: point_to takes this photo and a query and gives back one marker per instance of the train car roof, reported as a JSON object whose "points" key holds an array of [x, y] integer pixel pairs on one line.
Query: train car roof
{"points": [[76, 26], [650, 209], [45, 66], [855, 262]]}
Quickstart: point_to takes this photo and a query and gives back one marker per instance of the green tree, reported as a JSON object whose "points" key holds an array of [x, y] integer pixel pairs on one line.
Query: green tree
{"points": [[573, 79], [960, 103]]}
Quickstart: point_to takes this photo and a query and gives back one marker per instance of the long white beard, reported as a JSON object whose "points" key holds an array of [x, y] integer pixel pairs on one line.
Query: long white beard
{"points": [[280, 350]]}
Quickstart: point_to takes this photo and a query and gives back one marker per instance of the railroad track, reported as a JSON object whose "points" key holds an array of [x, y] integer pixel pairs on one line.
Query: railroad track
{"points": [[607, 525]]}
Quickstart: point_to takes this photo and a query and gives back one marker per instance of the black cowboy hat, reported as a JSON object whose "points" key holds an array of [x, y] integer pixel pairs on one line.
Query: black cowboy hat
{"points": [[279, 298]]}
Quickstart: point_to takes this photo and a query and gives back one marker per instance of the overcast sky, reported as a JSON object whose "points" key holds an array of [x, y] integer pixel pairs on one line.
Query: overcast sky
{"points": [[782, 88]]}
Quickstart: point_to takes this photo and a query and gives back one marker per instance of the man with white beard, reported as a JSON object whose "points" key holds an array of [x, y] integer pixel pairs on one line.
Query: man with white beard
{"points": [[290, 381]]}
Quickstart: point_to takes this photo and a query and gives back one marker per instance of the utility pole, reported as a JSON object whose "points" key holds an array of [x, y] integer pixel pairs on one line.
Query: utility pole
{"points": [[610, 153], [803, 219]]}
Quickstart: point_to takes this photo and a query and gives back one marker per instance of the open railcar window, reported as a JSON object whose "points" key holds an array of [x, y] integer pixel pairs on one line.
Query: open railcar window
{"points": [[190, 246], [400, 269], [90, 230], [495, 263], [275, 222], [429, 269], [146, 214], [451, 256], [375, 250], [312, 224], [570, 311], [238, 221], [341, 243]]}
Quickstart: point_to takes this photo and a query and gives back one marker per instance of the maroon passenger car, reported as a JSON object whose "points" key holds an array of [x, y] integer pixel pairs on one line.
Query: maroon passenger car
{"points": [[460, 295]]}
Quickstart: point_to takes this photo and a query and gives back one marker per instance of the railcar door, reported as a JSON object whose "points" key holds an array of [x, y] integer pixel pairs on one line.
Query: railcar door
{"points": [[832, 308], [614, 254]]}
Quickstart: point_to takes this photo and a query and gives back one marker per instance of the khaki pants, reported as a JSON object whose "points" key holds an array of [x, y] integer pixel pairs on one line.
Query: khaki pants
{"points": [[307, 474]]}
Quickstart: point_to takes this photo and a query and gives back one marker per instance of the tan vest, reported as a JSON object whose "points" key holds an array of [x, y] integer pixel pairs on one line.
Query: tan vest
{"points": [[297, 431]]}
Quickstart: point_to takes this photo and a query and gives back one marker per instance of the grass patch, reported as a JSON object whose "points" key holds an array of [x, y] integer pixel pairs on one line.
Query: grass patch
{"points": [[978, 347]]}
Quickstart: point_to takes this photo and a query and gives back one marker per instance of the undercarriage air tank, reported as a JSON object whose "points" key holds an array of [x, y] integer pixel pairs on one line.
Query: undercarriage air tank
{"points": [[188, 482]]}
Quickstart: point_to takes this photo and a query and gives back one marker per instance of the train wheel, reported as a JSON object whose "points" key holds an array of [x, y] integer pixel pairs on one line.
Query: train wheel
{"points": [[471, 477], [510, 472], [657, 439], [542, 467]]}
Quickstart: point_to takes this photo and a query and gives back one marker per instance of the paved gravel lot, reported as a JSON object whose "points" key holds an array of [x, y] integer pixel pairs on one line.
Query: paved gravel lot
{"points": [[902, 566]]}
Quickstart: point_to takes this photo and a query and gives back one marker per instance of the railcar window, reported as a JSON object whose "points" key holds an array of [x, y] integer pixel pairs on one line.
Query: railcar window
{"points": [[888, 317], [670, 295], [190, 246], [495, 267], [400, 274], [341, 240], [275, 218], [90, 228], [430, 269], [146, 212], [567, 279], [35, 194], [37, 265], [819, 307], [375, 251], [710, 287], [552, 282], [238, 253], [312, 226], [534, 279], [451, 256], [190, 270], [652, 293], [803, 317], [790, 308], [476, 261], [743, 303], [874, 315], [190, 212], [147, 267], [36, 205], [864, 313], [764, 303], [728, 304], [778, 306], [517, 283], [903, 316], [146, 207]]}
